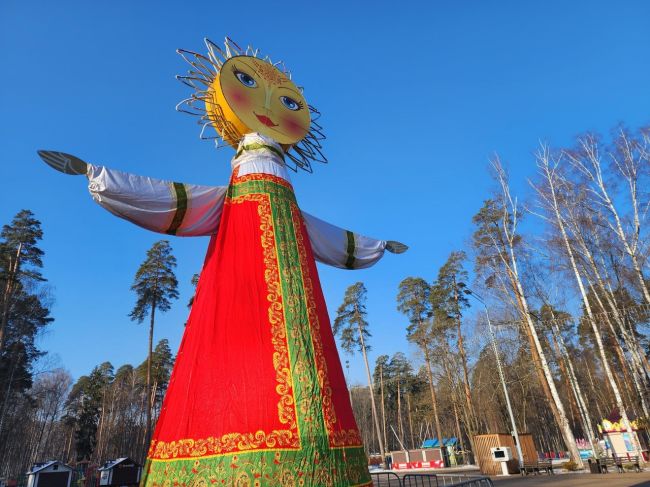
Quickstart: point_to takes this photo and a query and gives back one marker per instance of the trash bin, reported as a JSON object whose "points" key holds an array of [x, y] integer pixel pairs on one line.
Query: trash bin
{"points": [[594, 465]]}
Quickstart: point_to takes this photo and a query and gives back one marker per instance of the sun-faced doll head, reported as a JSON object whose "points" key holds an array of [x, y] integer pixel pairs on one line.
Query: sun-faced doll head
{"points": [[239, 93], [257, 97]]}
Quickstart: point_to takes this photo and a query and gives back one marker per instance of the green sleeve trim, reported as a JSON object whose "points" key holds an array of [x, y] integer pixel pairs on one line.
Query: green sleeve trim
{"points": [[349, 263], [180, 194]]}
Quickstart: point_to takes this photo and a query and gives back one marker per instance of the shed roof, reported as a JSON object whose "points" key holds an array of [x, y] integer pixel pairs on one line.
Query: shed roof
{"points": [[113, 463], [37, 467], [433, 443]]}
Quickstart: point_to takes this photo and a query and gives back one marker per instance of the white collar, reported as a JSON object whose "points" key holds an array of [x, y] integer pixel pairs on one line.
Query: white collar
{"points": [[260, 154]]}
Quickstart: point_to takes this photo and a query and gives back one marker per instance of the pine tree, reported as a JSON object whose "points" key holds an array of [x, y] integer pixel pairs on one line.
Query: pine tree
{"points": [[20, 261], [162, 362], [450, 290], [155, 285], [414, 300], [23, 309], [84, 407], [351, 327]]}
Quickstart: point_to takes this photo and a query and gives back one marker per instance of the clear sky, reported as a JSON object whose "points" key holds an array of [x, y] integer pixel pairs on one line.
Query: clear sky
{"points": [[415, 97]]}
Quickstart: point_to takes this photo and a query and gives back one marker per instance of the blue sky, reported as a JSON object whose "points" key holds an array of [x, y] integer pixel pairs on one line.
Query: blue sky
{"points": [[415, 97]]}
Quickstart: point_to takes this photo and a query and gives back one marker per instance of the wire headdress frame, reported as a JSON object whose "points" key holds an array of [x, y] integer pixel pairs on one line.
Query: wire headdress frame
{"points": [[204, 70]]}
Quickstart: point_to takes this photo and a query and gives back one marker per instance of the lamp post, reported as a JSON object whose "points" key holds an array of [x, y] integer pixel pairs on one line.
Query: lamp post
{"points": [[347, 379], [501, 377]]}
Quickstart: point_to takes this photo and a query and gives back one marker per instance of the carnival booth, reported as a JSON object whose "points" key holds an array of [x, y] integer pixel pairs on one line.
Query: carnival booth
{"points": [[123, 471], [49, 474], [621, 443]]}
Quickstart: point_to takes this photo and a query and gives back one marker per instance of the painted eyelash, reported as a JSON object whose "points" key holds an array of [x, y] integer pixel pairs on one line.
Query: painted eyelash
{"points": [[300, 104], [235, 69]]}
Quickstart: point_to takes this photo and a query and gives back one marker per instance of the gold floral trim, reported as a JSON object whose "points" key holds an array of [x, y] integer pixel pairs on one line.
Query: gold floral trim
{"points": [[266, 469], [339, 438], [261, 177], [227, 444]]}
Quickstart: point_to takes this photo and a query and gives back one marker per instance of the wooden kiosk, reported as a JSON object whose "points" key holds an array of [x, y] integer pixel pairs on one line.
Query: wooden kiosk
{"points": [[483, 445]]}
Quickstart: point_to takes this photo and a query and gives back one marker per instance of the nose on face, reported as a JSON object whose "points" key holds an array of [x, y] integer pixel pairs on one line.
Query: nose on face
{"points": [[267, 100]]}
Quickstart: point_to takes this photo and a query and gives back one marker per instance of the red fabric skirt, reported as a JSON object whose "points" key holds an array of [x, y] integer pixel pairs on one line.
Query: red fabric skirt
{"points": [[257, 395]]}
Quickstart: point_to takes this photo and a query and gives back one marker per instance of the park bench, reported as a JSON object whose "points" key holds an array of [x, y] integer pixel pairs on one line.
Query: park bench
{"points": [[619, 463], [537, 467], [634, 461], [606, 463]]}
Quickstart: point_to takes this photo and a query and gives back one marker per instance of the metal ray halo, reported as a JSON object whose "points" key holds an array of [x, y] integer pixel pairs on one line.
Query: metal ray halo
{"points": [[203, 71]]}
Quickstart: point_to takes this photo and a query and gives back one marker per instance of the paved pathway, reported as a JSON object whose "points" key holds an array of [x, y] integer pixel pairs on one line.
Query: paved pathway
{"points": [[576, 480], [558, 480]]}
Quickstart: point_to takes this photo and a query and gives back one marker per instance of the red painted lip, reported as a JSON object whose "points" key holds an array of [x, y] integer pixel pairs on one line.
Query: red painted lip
{"points": [[266, 120]]}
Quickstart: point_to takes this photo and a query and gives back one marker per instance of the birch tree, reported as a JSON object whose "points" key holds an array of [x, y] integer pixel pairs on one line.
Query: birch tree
{"points": [[550, 198], [631, 158], [496, 241]]}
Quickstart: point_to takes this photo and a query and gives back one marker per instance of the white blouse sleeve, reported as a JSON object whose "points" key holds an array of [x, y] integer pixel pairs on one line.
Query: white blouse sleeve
{"points": [[162, 206], [342, 248]]}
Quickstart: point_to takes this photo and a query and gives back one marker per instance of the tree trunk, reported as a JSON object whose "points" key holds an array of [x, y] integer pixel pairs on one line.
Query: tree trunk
{"points": [[632, 253], [463, 360], [638, 369], [587, 305], [149, 405], [558, 410], [400, 426], [8, 293], [434, 400], [575, 387], [383, 405], [459, 434], [372, 395], [506, 253], [408, 405]]}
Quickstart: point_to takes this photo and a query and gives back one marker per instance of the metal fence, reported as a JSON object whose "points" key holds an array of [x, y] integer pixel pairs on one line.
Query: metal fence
{"points": [[390, 479], [385, 479]]}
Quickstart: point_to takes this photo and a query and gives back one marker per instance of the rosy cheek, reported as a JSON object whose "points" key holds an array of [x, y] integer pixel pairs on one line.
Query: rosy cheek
{"points": [[239, 98], [292, 126]]}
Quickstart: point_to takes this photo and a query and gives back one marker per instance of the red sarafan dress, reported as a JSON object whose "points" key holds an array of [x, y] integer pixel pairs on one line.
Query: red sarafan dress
{"points": [[257, 395]]}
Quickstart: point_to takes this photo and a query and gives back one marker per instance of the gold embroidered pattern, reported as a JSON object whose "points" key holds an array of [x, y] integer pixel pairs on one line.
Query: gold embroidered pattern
{"points": [[340, 438], [267, 469], [229, 443], [262, 177], [269, 72]]}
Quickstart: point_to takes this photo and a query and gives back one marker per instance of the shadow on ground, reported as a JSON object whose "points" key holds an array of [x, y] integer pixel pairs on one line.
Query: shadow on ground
{"points": [[576, 480]]}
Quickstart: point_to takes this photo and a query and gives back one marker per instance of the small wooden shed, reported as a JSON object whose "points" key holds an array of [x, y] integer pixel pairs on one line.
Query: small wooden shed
{"points": [[422, 458], [49, 474], [119, 472], [483, 455]]}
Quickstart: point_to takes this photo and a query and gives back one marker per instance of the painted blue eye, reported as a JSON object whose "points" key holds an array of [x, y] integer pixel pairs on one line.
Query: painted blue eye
{"points": [[246, 79], [290, 103]]}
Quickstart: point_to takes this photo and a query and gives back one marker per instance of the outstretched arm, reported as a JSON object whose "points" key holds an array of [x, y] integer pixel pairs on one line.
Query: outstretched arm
{"points": [[345, 249], [161, 206]]}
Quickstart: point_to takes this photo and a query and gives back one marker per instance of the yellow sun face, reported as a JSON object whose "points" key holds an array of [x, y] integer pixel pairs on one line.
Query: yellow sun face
{"points": [[255, 96]]}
